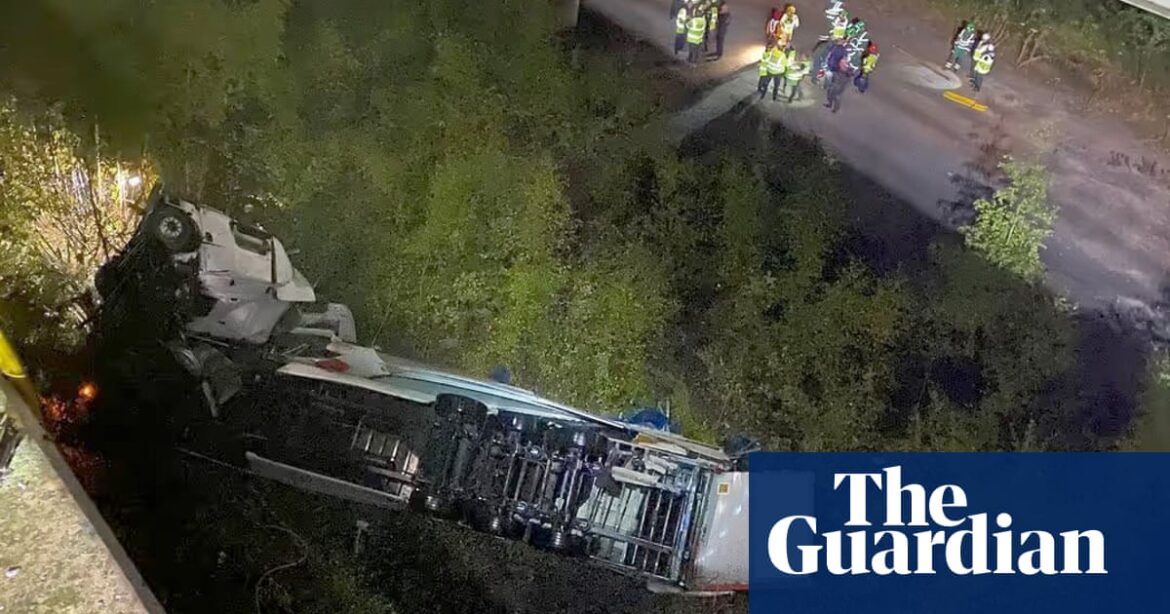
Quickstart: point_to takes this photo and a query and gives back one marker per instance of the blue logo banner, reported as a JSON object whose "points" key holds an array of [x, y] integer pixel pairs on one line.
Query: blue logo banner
{"points": [[959, 533]]}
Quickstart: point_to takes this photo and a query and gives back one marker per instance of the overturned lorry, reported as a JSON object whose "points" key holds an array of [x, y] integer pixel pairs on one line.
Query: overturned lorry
{"points": [[314, 409]]}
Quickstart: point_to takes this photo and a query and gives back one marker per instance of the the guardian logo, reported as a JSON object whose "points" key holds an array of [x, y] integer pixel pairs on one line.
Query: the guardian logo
{"points": [[951, 540]]}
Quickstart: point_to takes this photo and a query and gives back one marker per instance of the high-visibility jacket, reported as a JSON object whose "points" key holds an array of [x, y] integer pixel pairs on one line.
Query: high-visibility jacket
{"points": [[984, 61], [796, 71], [790, 57], [764, 62], [695, 30], [981, 49], [965, 39], [775, 61], [869, 62], [712, 17], [839, 25], [680, 22], [789, 24]]}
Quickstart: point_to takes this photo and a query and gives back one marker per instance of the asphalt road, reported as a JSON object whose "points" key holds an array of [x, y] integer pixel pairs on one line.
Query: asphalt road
{"points": [[1112, 239]]}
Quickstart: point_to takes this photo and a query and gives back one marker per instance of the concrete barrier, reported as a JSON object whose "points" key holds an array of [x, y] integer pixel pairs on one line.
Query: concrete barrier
{"points": [[57, 554]]}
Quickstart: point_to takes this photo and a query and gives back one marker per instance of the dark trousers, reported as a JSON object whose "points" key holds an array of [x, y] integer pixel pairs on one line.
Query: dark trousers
{"points": [[862, 83], [774, 80], [720, 35], [977, 80], [680, 41], [837, 85], [693, 52]]}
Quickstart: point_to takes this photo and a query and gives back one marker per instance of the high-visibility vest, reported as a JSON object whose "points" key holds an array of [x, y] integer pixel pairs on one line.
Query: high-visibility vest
{"points": [[790, 57], [680, 22], [869, 62], [712, 17], [764, 63], [983, 62], [839, 26], [695, 30], [796, 71], [965, 38], [775, 62], [788, 24]]}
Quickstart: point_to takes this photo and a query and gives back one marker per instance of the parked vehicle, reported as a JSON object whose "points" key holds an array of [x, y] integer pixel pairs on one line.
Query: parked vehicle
{"points": [[321, 412]]}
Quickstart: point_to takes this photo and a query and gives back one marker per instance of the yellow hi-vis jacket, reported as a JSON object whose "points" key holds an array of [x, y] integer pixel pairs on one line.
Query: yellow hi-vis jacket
{"points": [[983, 62], [695, 30], [680, 22], [869, 63], [775, 62], [840, 23], [789, 57], [712, 17], [796, 71]]}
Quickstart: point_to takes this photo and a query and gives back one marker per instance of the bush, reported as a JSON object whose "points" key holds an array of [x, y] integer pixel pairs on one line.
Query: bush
{"points": [[1013, 224]]}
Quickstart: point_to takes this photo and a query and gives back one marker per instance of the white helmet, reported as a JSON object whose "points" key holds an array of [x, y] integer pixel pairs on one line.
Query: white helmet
{"points": [[986, 36]]}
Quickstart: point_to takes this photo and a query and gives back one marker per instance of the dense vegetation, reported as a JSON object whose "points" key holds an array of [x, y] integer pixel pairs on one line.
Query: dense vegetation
{"points": [[484, 194], [483, 200]]}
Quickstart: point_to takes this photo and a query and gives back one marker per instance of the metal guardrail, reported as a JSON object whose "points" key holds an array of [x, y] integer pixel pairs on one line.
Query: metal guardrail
{"points": [[1157, 7]]}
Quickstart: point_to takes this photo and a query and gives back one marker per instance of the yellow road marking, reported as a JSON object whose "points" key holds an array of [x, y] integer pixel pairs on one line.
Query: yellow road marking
{"points": [[963, 100]]}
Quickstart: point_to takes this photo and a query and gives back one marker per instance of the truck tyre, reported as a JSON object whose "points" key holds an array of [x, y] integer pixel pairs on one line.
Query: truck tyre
{"points": [[174, 229]]}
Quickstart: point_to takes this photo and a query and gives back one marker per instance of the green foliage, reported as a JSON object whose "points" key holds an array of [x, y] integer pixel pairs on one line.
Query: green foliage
{"points": [[1113, 34], [480, 200], [64, 210], [1152, 428], [1013, 224], [174, 70], [974, 314]]}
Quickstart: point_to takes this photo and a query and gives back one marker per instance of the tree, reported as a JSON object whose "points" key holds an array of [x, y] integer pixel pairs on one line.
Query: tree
{"points": [[1013, 224], [168, 74], [1147, 34], [64, 210]]}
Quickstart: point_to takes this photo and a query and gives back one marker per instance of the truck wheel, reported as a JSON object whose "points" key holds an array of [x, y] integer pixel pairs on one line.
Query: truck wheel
{"points": [[174, 229]]}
